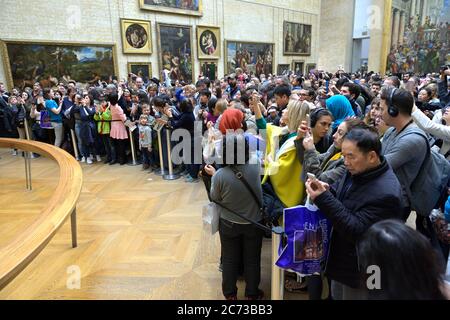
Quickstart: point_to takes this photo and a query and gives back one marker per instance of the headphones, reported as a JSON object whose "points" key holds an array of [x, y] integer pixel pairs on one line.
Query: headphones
{"points": [[392, 109], [317, 114]]}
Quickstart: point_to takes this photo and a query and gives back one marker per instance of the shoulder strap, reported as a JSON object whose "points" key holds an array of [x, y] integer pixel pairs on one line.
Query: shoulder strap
{"points": [[427, 156], [259, 225], [241, 177]]}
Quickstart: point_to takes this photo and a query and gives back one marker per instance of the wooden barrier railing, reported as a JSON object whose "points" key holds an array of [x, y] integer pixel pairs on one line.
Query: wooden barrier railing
{"points": [[20, 251]]}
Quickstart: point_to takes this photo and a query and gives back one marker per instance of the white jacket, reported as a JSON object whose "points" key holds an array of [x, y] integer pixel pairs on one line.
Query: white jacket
{"points": [[438, 130]]}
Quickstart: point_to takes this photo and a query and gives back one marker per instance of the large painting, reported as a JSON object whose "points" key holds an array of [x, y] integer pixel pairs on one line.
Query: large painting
{"points": [[188, 7], [297, 38], [421, 44], [208, 42], [49, 63], [136, 36], [255, 58], [175, 52]]}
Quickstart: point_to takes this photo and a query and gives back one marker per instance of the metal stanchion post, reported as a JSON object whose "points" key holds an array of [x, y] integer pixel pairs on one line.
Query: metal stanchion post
{"points": [[27, 171], [277, 273], [133, 151], [74, 143], [73, 227], [160, 172], [171, 175], [27, 135]]}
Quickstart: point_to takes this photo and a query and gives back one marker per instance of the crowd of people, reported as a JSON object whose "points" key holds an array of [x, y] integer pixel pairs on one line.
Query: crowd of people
{"points": [[360, 135]]}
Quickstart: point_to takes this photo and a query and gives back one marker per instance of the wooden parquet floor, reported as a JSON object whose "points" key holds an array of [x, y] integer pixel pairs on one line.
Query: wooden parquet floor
{"points": [[139, 237]]}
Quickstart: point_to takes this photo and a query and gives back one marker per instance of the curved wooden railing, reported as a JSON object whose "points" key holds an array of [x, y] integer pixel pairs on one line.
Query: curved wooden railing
{"points": [[21, 250]]}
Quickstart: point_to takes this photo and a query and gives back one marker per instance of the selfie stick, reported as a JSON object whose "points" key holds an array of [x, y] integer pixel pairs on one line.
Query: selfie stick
{"points": [[161, 171], [171, 175]]}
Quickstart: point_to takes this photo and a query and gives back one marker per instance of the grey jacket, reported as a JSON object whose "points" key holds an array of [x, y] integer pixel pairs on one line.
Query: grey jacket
{"points": [[233, 194], [145, 136], [320, 164], [405, 153]]}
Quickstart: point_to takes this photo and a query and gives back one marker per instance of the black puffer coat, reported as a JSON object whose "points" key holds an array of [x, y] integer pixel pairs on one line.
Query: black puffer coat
{"points": [[358, 202]]}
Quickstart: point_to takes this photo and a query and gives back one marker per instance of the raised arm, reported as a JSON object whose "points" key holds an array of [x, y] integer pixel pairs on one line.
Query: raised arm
{"points": [[426, 124]]}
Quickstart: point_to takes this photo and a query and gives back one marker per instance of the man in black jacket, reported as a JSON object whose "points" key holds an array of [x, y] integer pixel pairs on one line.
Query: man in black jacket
{"points": [[6, 120], [369, 192]]}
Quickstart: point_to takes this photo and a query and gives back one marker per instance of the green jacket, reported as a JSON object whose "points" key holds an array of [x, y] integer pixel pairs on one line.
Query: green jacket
{"points": [[103, 121]]}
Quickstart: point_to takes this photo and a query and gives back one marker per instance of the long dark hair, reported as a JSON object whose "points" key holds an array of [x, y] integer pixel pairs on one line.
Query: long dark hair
{"points": [[186, 106], [410, 267]]}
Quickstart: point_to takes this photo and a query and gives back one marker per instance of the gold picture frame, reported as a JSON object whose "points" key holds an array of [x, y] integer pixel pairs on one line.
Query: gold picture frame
{"points": [[150, 5], [297, 39], [141, 69], [235, 45], [171, 43], [45, 72], [208, 42], [296, 68], [136, 36]]}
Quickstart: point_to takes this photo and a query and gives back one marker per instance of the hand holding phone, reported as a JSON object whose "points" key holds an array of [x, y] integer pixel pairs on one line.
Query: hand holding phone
{"points": [[312, 176]]}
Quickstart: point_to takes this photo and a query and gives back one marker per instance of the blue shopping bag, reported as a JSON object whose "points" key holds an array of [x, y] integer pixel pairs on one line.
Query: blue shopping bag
{"points": [[308, 237]]}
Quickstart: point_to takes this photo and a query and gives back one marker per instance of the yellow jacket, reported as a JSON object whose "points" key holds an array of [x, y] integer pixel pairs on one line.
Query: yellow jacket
{"points": [[285, 169]]}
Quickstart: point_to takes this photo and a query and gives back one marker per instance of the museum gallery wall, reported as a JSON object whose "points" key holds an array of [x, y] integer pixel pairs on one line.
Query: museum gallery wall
{"points": [[180, 50]]}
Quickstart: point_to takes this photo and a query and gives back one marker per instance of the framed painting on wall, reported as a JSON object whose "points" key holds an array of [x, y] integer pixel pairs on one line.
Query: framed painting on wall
{"points": [[251, 57], [208, 42], [209, 69], [297, 38], [175, 52], [50, 63], [298, 67], [310, 67], [140, 69], [283, 69], [136, 36], [189, 7]]}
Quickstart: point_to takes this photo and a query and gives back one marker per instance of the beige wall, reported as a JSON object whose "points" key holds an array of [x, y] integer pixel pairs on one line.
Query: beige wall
{"points": [[336, 34], [252, 20]]}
